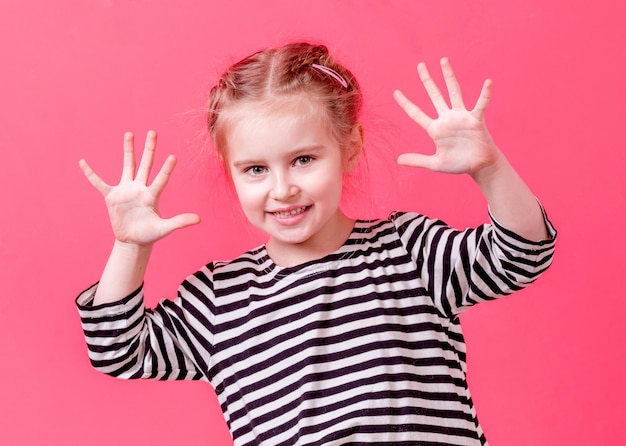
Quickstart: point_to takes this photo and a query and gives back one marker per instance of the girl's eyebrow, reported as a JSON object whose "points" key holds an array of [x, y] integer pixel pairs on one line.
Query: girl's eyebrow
{"points": [[307, 150], [304, 150], [241, 163]]}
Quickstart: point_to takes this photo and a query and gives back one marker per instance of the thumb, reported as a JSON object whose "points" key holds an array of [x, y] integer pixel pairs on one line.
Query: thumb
{"points": [[415, 160], [179, 221]]}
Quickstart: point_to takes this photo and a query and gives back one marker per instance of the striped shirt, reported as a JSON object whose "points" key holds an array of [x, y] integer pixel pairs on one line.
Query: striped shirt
{"points": [[362, 346]]}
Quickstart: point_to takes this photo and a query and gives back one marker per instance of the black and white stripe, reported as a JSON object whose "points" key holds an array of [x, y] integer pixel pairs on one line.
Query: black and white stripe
{"points": [[360, 347]]}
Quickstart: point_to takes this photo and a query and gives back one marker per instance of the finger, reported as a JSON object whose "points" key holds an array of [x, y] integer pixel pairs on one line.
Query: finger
{"points": [[412, 110], [179, 221], [416, 160], [483, 100], [454, 89], [162, 178], [128, 170], [93, 178], [431, 88], [147, 158]]}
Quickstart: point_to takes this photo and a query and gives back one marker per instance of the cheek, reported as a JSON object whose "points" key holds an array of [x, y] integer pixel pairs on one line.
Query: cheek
{"points": [[249, 195], [329, 188]]}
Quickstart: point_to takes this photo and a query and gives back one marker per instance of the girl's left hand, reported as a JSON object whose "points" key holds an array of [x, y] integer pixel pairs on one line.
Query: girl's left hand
{"points": [[463, 143]]}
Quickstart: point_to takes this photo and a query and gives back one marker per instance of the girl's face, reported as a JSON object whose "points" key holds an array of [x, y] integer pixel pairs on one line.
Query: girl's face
{"points": [[287, 171]]}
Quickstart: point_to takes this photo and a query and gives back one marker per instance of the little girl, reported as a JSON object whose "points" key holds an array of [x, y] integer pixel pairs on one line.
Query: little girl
{"points": [[335, 331]]}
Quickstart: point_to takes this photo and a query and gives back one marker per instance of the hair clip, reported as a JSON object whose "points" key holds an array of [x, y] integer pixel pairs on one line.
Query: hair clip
{"points": [[338, 77]]}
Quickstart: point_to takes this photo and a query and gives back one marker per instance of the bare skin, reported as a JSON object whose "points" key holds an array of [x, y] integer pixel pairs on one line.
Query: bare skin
{"points": [[464, 145], [135, 219]]}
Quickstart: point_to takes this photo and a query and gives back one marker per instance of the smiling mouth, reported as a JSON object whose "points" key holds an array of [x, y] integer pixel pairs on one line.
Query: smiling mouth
{"points": [[291, 213]]}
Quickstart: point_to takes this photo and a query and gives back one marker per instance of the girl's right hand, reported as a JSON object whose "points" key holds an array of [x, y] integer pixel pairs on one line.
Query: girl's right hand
{"points": [[133, 204]]}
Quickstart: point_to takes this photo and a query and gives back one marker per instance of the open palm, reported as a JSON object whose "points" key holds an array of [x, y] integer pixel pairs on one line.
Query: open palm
{"points": [[133, 204], [463, 143]]}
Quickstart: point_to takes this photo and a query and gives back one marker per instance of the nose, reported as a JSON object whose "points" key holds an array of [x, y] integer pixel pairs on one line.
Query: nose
{"points": [[283, 186]]}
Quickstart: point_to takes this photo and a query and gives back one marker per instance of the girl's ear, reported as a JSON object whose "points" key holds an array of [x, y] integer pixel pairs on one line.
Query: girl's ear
{"points": [[354, 148]]}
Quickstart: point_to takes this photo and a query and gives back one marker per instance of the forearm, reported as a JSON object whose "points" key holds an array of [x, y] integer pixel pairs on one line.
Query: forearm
{"points": [[511, 201], [124, 272], [126, 340]]}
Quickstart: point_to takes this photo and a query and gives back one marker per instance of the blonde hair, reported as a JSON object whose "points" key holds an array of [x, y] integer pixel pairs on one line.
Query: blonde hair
{"points": [[290, 72]]}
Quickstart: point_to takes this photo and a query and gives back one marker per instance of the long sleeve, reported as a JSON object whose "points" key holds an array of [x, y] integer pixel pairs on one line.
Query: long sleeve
{"points": [[462, 268], [171, 342]]}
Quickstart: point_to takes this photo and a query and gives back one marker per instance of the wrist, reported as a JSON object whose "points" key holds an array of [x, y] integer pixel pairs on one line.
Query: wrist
{"points": [[132, 251], [492, 172]]}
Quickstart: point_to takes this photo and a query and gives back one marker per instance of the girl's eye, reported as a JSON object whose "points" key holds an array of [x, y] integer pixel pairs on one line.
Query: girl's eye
{"points": [[255, 170], [303, 160]]}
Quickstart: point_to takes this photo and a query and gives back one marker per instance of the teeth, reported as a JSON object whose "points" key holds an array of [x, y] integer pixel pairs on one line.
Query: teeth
{"points": [[285, 214]]}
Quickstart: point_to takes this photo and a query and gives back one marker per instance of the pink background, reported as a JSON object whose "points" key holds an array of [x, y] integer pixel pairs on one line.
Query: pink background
{"points": [[546, 366]]}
